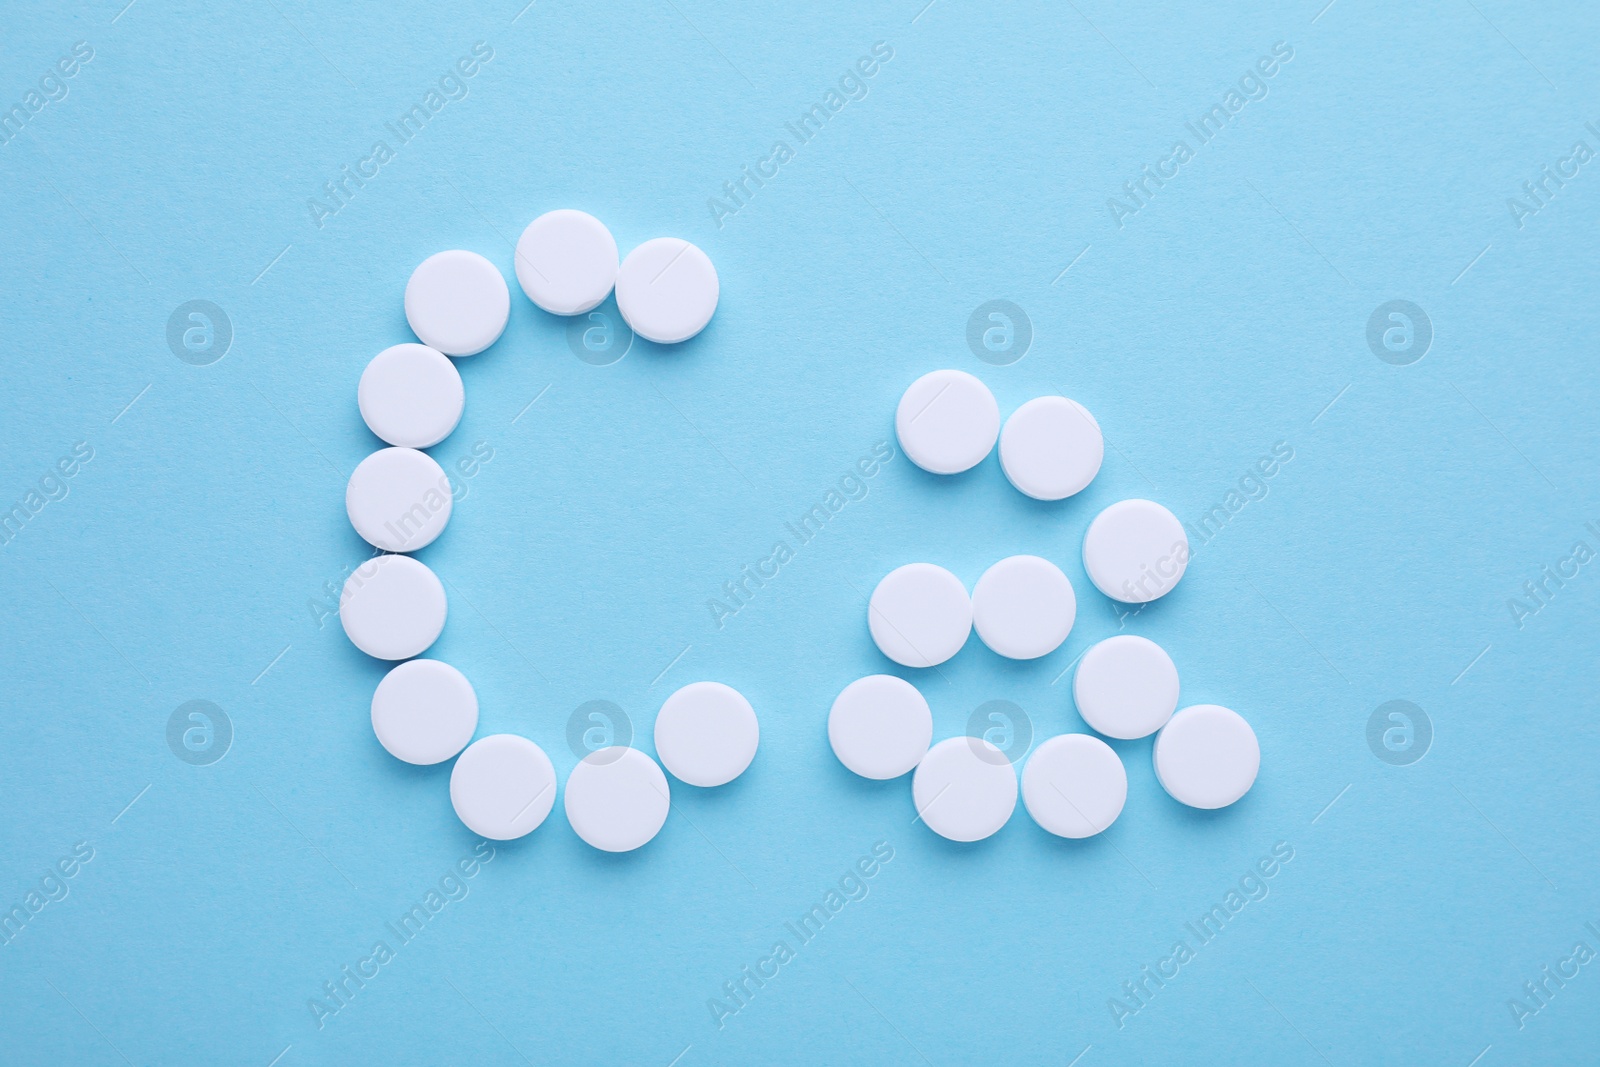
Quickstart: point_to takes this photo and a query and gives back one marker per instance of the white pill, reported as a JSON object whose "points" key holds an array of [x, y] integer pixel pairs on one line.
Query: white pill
{"points": [[1207, 756], [1051, 448], [392, 607], [398, 499], [1135, 551], [411, 395], [617, 799], [880, 726], [1126, 687], [424, 711], [965, 789], [667, 290], [947, 421], [920, 615], [566, 261], [457, 302], [706, 733], [503, 786], [1074, 785], [1023, 607]]}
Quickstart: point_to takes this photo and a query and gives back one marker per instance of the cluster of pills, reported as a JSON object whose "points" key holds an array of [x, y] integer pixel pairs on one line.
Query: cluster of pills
{"points": [[1023, 607], [393, 607]]}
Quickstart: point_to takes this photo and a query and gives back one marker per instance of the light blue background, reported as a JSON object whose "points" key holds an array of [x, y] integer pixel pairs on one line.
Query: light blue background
{"points": [[1223, 317]]}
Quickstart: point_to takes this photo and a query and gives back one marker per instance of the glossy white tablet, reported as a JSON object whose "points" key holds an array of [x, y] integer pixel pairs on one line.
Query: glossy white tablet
{"points": [[457, 302], [1207, 756], [919, 615], [398, 499], [566, 261], [947, 421], [880, 726], [411, 395], [392, 607], [667, 290], [1023, 607], [1135, 551], [617, 800], [964, 789], [1074, 785], [706, 733], [1126, 687], [1051, 448], [502, 787], [424, 711]]}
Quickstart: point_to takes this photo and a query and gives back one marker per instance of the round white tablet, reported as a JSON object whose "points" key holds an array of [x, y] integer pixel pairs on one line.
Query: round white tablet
{"points": [[880, 726], [398, 499], [457, 302], [667, 290], [965, 789], [706, 733], [617, 799], [411, 395], [1126, 687], [1207, 756], [947, 421], [566, 261], [920, 615], [1023, 607], [424, 711], [392, 607], [1074, 785], [503, 786], [1135, 551], [1051, 448]]}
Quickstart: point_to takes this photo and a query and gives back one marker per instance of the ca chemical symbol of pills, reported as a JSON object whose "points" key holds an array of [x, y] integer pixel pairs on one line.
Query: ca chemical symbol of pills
{"points": [[503, 786], [393, 607], [1126, 687]]}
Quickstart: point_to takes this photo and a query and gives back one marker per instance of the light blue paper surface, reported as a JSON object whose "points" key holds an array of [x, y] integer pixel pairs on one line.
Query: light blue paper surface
{"points": [[1221, 313]]}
